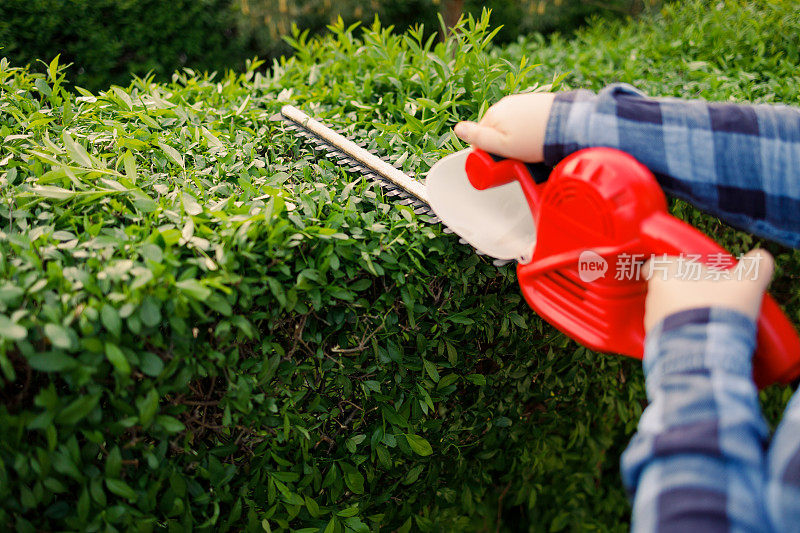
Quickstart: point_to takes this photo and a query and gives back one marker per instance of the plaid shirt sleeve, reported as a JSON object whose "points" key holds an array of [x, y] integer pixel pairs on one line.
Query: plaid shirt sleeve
{"points": [[783, 471], [697, 462], [738, 162]]}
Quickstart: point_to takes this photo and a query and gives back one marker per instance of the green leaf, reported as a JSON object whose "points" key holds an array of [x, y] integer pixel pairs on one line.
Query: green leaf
{"points": [[477, 379], [122, 95], [111, 320], [148, 407], [560, 521], [313, 508], [170, 423], [76, 152], [352, 477], [117, 359], [120, 488], [172, 154], [430, 368], [213, 140], [418, 444], [51, 191], [129, 162], [149, 312], [51, 362], [191, 205], [77, 410], [11, 330], [113, 462], [194, 289], [446, 381], [151, 364], [143, 202], [413, 475], [350, 511], [58, 335], [406, 527]]}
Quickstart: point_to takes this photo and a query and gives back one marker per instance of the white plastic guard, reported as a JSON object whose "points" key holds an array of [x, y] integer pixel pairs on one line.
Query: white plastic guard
{"points": [[496, 221]]}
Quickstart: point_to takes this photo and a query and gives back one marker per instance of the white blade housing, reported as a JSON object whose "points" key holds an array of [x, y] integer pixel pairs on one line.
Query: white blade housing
{"points": [[496, 221]]}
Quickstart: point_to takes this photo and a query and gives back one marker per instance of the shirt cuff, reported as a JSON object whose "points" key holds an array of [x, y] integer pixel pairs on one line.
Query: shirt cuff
{"points": [[569, 126], [701, 339]]}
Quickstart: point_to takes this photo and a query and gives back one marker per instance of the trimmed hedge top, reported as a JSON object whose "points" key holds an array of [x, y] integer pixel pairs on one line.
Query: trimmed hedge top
{"points": [[204, 326]]}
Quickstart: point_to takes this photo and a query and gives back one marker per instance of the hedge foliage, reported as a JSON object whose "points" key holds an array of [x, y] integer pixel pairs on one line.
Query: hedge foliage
{"points": [[205, 326]]}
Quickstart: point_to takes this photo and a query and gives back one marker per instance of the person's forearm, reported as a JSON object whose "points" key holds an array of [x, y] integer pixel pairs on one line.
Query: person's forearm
{"points": [[697, 461], [739, 162]]}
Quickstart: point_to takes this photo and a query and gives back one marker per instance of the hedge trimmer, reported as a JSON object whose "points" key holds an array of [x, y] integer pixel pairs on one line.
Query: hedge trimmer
{"points": [[578, 232], [346, 153]]}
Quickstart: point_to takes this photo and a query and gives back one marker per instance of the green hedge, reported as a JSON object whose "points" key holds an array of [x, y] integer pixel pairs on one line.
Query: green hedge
{"points": [[205, 326], [107, 40]]}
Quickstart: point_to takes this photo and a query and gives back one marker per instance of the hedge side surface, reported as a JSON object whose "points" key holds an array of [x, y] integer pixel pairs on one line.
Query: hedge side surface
{"points": [[206, 326]]}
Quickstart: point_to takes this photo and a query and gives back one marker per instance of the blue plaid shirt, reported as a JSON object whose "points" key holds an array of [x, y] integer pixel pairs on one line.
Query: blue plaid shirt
{"points": [[738, 162], [702, 459]]}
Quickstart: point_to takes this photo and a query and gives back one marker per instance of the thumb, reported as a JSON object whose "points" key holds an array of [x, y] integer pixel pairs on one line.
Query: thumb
{"points": [[484, 137], [756, 265]]}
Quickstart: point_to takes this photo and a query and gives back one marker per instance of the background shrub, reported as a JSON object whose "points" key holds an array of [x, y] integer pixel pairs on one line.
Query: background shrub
{"points": [[205, 326], [107, 40]]}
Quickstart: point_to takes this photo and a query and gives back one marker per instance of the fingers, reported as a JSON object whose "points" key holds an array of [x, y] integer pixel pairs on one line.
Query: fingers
{"points": [[757, 265], [466, 130], [484, 137], [672, 287]]}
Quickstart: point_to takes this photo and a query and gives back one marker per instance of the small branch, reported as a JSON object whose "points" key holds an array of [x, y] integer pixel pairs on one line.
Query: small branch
{"points": [[298, 334], [500, 506], [361, 345]]}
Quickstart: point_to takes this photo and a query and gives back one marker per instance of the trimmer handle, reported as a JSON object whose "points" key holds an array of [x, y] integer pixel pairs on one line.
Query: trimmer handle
{"points": [[484, 172], [778, 346]]}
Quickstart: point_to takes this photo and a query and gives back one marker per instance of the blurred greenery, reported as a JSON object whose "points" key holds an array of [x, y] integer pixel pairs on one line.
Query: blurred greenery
{"points": [[107, 40], [204, 325]]}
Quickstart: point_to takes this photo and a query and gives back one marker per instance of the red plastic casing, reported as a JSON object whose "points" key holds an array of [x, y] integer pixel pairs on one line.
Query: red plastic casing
{"points": [[604, 201]]}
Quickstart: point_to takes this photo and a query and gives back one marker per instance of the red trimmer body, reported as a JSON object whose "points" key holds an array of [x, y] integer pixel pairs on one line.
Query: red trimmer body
{"points": [[601, 209]]}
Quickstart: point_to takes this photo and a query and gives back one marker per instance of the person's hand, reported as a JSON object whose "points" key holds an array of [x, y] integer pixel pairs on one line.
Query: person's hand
{"points": [[668, 292], [513, 127]]}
